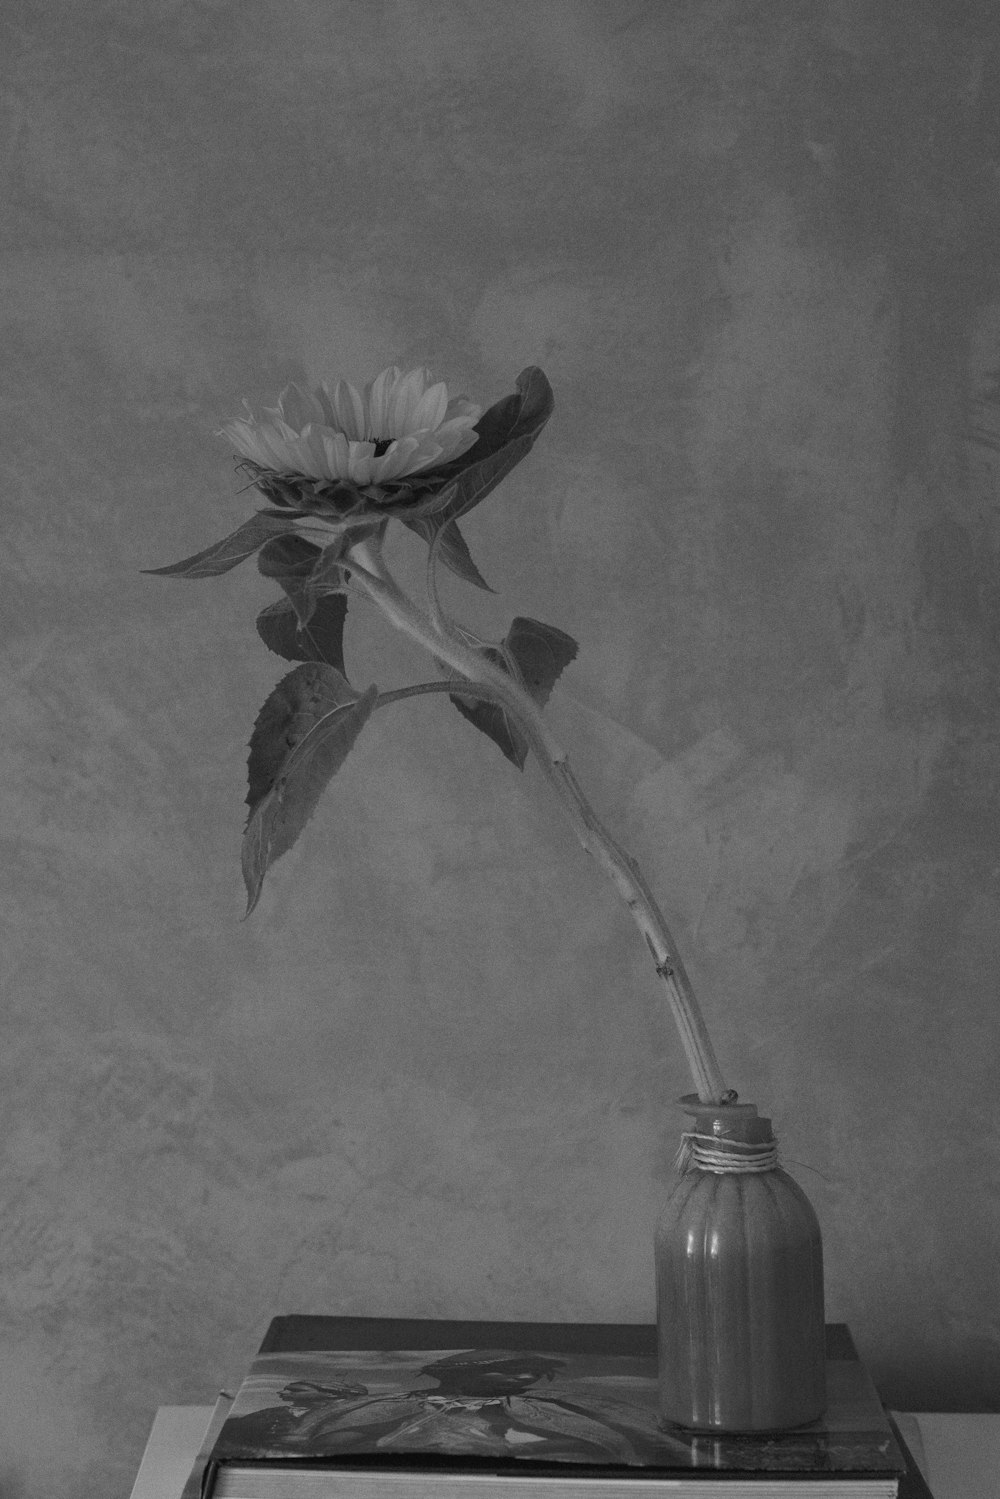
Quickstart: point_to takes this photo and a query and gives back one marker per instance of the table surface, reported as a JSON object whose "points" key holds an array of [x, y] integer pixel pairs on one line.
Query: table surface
{"points": [[961, 1453]]}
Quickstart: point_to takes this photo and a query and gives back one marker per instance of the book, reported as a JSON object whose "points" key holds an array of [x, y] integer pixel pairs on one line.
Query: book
{"points": [[381, 1408], [193, 1487]]}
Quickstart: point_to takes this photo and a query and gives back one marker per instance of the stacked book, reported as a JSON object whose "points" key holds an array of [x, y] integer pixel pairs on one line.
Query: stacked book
{"points": [[373, 1408]]}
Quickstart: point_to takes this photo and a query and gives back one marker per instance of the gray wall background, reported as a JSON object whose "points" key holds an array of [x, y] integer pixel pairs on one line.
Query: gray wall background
{"points": [[754, 246]]}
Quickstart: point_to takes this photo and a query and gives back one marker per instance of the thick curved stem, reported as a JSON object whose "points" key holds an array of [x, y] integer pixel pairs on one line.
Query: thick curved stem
{"points": [[482, 678]]}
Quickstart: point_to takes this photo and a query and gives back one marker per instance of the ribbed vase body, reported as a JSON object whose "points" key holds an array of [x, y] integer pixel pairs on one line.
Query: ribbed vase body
{"points": [[740, 1313]]}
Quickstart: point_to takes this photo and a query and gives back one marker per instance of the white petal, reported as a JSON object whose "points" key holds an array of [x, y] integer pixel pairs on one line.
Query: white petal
{"points": [[272, 443], [299, 460], [252, 447], [311, 452], [461, 406], [242, 436], [455, 441], [430, 453], [395, 461], [377, 397], [454, 427], [337, 454], [329, 418], [347, 410], [430, 409], [404, 400], [455, 424], [360, 462]]}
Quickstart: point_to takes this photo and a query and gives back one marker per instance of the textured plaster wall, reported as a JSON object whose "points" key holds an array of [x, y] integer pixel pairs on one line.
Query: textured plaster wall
{"points": [[754, 246]]}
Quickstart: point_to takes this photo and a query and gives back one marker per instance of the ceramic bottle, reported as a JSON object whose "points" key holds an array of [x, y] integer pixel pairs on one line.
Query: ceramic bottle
{"points": [[739, 1274]]}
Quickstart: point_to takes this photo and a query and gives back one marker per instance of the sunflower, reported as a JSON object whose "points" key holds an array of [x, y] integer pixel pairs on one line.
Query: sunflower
{"points": [[400, 424]]}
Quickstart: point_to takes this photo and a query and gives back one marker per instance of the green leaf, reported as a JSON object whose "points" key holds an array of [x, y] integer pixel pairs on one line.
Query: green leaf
{"points": [[290, 711], [228, 553], [291, 560], [290, 555], [507, 432], [320, 639], [302, 736], [491, 719], [452, 548], [535, 654], [541, 653]]}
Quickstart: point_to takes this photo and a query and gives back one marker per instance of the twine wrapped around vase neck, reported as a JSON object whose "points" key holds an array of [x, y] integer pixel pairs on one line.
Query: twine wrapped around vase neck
{"points": [[726, 1157]]}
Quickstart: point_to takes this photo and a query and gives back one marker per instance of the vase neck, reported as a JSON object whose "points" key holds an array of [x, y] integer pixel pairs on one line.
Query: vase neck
{"points": [[727, 1138]]}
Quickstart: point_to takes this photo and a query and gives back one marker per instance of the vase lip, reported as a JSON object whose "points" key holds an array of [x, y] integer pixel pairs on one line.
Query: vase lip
{"points": [[692, 1104], [733, 1125]]}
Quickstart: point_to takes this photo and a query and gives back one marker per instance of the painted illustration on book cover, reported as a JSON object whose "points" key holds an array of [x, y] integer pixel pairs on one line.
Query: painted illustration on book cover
{"points": [[474, 1402], [491, 1404]]}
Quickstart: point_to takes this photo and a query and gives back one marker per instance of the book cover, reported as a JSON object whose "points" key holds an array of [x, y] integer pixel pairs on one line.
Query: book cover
{"points": [[515, 1399]]}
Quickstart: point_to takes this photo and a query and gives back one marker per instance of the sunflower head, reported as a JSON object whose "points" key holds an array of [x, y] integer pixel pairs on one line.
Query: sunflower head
{"points": [[339, 449]]}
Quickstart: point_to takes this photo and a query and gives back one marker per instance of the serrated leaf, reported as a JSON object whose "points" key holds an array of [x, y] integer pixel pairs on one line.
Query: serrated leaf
{"points": [[507, 432], [541, 653], [536, 654], [452, 548], [320, 639], [223, 555], [302, 736], [291, 709]]}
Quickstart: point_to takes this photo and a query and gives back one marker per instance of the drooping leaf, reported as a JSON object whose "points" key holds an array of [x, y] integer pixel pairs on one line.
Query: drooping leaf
{"points": [[231, 551], [525, 411], [321, 639], [536, 654], [452, 548], [302, 736], [491, 719], [507, 432]]}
